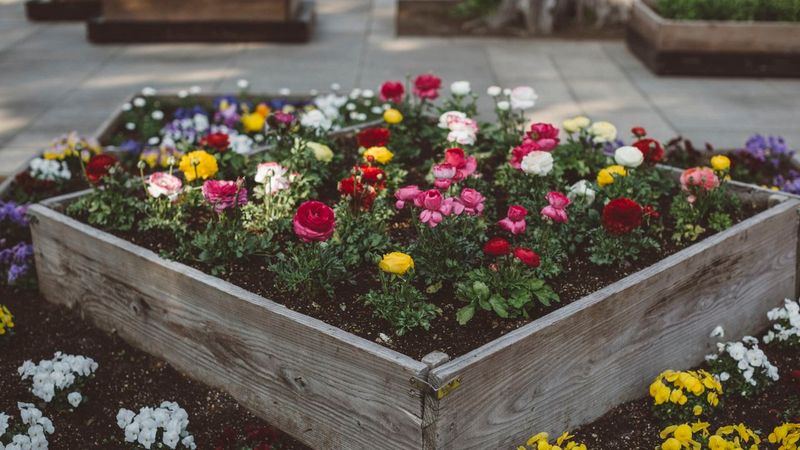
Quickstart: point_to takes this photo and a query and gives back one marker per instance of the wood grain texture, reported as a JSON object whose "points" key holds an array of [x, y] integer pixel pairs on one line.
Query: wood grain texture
{"points": [[328, 388], [576, 363]]}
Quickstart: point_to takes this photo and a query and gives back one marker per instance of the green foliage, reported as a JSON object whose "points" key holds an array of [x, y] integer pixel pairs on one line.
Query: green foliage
{"points": [[446, 252], [401, 304], [508, 291], [607, 249], [713, 210], [225, 240], [760, 10], [576, 158], [114, 206], [311, 269], [361, 236]]}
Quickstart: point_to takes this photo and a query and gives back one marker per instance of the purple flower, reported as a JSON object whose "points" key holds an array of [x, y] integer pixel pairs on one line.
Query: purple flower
{"points": [[768, 147], [14, 213]]}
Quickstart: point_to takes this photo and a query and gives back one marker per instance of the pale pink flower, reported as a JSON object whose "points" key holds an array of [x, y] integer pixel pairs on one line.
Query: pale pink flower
{"points": [[406, 194], [702, 177], [514, 223], [472, 201], [161, 183]]}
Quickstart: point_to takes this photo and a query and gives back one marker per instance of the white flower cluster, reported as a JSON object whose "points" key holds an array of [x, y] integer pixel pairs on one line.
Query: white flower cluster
{"points": [[38, 429], [750, 360], [329, 104], [316, 120], [56, 374], [49, 169], [144, 426], [788, 326], [462, 129]]}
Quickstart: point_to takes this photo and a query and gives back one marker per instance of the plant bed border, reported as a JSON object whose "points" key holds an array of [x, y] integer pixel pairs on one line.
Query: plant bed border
{"points": [[713, 48], [331, 389], [62, 11], [298, 29]]}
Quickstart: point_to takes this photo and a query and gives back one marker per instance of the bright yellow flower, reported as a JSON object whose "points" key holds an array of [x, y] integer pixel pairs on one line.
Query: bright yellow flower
{"points": [[322, 152], [253, 122], [697, 410], [6, 320], [392, 116], [720, 163], [198, 164], [540, 437], [396, 262], [683, 433], [606, 176], [671, 444], [381, 154]]}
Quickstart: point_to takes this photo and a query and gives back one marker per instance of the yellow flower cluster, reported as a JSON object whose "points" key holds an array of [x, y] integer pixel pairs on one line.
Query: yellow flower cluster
{"points": [[6, 320], [720, 163], [576, 124], [674, 387], [72, 145], [731, 437], [397, 263], [606, 176], [198, 164], [160, 157], [541, 441], [381, 155], [787, 435]]}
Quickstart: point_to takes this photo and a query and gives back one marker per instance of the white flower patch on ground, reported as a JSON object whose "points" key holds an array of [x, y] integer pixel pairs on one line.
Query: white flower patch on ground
{"points": [[169, 419], [787, 323], [742, 366], [51, 376], [30, 434]]}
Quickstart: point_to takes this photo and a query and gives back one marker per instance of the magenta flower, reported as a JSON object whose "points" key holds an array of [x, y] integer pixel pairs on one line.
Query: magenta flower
{"points": [[472, 201], [545, 136], [465, 165], [431, 202], [514, 223], [557, 209], [225, 194], [406, 194]]}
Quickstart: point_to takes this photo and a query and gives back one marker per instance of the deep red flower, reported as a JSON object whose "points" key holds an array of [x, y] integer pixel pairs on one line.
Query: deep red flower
{"points": [[392, 91], [621, 216], [527, 256], [373, 137], [373, 175], [496, 246], [363, 185], [652, 150], [217, 141], [639, 132], [98, 167], [427, 86], [650, 211], [314, 221]]}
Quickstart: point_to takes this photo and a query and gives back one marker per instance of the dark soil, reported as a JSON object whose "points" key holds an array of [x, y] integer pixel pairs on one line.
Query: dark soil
{"points": [[633, 426], [126, 378]]}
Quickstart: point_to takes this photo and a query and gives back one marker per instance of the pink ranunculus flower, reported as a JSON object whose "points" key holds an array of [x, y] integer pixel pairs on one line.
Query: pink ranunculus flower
{"points": [[225, 194], [465, 165], [444, 170], [557, 209], [545, 135], [406, 194], [463, 131], [702, 177], [472, 201], [314, 221], [431, 203], [451, 206], [273, 176], [514, 223], [161, 183], [519, 152]]}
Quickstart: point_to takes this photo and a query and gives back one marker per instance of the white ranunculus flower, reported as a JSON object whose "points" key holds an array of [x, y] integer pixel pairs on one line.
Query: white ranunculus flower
{"points": [[127, 106], [460, 88], [494, 91], [537, 163], [74, 399], [367, 93], [242, 84], [157, 114], [629, 156], [523, 97], [148, 91], [139, 102], [582, 190], [446, 118], [183, 93], [503, 105], [603, 132]]}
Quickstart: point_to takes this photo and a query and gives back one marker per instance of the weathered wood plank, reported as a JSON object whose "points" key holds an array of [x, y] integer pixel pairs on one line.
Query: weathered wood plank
{"points": [[324, 386], [576, 363], [198, 10]]}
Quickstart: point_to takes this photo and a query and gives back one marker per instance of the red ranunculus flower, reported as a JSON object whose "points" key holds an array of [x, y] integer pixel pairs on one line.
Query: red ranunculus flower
{"points": [[373, 137], [639, 132], [98, 167], [496, 246], [217, 141], [427, 86], [527, 256], [373, 175], [652, 150], [392, 91], [621, 216], [314, 221]]}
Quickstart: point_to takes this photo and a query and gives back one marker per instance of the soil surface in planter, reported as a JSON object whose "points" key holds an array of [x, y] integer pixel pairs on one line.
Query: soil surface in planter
{"points": [[632, 425], [579, 278], [126, 378]]}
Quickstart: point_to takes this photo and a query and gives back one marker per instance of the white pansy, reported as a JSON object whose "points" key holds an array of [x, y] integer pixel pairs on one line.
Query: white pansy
{"points": [[56, 374], [494, 91], [49, 169], [522, 97], [537, 163], [157, 114], [787, 323], [127, 106], [183, 93], [74, 399], [506, 92], [582, 190], [603, 132], [724, 376], [139, 102], [35, 437], [130, 126], [503, 105], [153, 141], [144, 427], [350, 106], [3, 423], [241, 144], [629, 156], [460, 88], [148, 91], [242, 84], [717, 332]]}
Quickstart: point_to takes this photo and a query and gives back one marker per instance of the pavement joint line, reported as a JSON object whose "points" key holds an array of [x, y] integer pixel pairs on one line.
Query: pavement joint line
{"points": [[362, 54]]}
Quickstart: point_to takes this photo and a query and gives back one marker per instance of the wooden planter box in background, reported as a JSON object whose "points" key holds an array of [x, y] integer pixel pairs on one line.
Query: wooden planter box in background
{"points": [[334, 390], [718, 48], [202, 21], [62, 10]]}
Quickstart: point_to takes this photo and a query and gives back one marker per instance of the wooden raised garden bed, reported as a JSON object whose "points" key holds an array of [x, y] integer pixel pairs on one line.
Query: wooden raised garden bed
{"points": [[332, 389], [717, 48], [202, 21], [62, 10]]}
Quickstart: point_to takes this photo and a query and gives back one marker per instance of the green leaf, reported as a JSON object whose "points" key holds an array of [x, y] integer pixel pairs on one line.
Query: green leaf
{"points": [[465, 314], [499, 306]]}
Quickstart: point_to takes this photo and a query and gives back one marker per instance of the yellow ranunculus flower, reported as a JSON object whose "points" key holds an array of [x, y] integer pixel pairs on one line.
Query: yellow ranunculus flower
{"points": [[392, 116], [253, 122], [606, 176], [381, 154], [720, 163], [198, 164], [396, 262], [321, 151], [576, 124]]}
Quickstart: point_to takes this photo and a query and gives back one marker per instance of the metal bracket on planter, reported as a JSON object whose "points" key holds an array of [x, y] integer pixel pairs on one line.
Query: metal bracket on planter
{"points": [[440, 392]]}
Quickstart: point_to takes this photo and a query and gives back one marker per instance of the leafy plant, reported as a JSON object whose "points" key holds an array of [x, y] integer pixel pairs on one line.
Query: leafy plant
{"points": [[311, 269], [401, 304]]}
